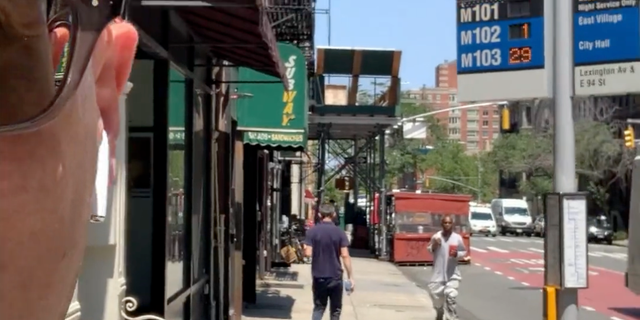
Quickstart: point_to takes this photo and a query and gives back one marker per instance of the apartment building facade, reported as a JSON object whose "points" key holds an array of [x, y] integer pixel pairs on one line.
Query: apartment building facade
{"points": [[476, 128]]}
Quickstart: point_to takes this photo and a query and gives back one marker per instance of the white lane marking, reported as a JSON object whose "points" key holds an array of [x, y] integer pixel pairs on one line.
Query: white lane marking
{"points": [[497, 249], [506, 240], [536, 250], [487, 268], [593, 273], [525, 284], [524, 251], [477, 264], [522, 240], [511, 278], [607, 270], [594, 254], [616, 318], [488, 239], [588, 308], [498, 272], [478, 249], [622, 256]]}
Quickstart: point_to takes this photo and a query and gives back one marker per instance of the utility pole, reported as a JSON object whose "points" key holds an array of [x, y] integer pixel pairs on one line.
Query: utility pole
{"points": [[564, 169]]}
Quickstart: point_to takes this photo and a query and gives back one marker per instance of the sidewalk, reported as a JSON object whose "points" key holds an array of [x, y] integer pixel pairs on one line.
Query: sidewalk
{"points": [[382, 293], [621, 243]]}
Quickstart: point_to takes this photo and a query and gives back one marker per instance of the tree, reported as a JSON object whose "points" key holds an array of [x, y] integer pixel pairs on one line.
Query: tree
{"points": [[455, 171], [408, 155], [601, 159]]}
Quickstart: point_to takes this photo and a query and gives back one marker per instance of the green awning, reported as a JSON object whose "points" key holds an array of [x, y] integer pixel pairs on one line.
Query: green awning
{"points": [[268, 114]]}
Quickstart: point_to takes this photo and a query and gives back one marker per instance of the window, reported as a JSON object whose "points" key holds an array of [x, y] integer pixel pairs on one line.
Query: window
{"points": [[485, 123], [454, 131], [495, 123], [472, 145], [472, 123], [472, 133], [429, 98], [485, 134], [453, 98], [519, 8], [454, 112], [443, 79], [437, 97], [472, 113], [443, 70], [496, 135], [485, 113], [453, 120], [496, 112]]}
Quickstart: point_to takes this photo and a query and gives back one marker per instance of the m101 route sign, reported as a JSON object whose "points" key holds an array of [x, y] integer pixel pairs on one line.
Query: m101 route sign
{"points": [[501, 50], [606, 47]]}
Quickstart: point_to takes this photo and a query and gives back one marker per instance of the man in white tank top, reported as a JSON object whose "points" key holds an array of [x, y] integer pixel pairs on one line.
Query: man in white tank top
{"points": [[447, 247]]}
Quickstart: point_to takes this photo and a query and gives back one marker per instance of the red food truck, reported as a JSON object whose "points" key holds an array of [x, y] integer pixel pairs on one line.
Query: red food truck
{"points": [[417, 217]]}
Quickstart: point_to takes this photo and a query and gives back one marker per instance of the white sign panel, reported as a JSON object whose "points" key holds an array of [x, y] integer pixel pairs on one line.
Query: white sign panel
{"points": [[607, 79], [606, 42], [575, 266]]}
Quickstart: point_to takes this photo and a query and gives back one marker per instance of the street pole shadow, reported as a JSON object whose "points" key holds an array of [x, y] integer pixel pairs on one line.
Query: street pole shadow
{"points": [[271, 304], [631, 312]]}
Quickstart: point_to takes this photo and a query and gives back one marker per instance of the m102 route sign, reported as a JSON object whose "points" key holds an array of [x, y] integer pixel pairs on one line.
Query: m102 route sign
{"points": [[501, 50]]}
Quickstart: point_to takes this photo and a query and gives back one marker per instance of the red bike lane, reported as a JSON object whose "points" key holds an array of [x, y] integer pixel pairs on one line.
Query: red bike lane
{"points": [[606, 294]]}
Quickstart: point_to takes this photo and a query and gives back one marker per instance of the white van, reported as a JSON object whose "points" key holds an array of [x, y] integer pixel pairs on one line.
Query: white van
{"points": [[482, 221], [512, 216]]}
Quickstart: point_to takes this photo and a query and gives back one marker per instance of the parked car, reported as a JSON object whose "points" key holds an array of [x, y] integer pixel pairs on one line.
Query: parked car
{"points": [[600, 230], [482, 221], [538, 227]]}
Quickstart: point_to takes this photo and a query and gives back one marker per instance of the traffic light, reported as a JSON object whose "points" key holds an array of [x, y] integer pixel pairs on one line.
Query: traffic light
{"points": [[505, 119], [629, 138]]}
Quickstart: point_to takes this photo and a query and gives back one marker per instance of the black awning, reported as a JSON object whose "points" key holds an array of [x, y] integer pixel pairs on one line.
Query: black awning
{"points": [[239, 31]]}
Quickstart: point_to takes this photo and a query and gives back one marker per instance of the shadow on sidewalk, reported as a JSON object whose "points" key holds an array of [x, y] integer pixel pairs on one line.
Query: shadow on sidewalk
{"points": [[282, 274], [272, 304], [632, 312], [361, 253]]}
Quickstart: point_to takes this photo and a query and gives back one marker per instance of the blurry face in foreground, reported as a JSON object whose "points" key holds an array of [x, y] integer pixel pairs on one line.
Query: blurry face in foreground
{"points": [[47, 175]]}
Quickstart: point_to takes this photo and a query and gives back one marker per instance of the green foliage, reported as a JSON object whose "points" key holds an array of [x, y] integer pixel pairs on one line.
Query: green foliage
{"points": [[601, 159], [458, 172], [331, 193]]}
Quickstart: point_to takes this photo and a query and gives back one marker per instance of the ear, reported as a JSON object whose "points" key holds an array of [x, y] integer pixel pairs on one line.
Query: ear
{"points": [[113, 61]]}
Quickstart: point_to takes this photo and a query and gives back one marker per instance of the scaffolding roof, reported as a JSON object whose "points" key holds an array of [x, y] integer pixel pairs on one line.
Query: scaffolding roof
{"points": [[358, 61]]}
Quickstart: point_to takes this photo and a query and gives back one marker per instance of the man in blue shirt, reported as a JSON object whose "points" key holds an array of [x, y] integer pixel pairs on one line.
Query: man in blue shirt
{"points": [[327, 244]]}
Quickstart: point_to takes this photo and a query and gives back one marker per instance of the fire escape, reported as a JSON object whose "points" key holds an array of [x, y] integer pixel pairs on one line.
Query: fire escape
{"points": [[293, 21]]}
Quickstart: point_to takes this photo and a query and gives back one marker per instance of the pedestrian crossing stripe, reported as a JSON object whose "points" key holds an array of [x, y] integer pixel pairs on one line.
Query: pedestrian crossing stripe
{"points": [[599, 254]]}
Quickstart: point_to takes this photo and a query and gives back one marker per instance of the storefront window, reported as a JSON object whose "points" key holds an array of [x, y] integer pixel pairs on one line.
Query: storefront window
{"points": [[176, 187]]}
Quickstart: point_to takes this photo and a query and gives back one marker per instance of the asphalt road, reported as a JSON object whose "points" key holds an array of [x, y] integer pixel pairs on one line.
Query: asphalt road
{"points": [[504, 282]]}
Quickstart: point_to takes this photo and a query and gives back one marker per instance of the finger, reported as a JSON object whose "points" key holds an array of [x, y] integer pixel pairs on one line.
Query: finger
{"points": [[59, 38]]}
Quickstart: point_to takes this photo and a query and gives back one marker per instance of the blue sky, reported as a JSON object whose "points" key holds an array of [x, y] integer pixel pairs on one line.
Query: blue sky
{"points": [[423, 29]]}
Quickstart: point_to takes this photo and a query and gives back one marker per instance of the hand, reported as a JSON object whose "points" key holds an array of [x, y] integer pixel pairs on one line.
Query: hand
{"points": [[353, 285], [438, 240], [453, 253]]}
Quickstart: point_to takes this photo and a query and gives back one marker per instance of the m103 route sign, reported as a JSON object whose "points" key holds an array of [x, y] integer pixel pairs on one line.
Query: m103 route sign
{"points": [[501, 50], [606, 47]]}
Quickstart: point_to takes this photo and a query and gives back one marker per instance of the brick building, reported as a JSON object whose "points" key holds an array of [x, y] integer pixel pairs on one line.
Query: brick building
{"points": [[476, 128]]}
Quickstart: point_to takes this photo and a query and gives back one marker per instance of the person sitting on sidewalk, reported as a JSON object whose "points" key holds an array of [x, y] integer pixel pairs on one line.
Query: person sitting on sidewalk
{"points": [[326, 244], [447, 247]]}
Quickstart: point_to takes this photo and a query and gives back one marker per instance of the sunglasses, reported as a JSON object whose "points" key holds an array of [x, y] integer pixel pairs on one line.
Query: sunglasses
{"points": [[85, 20]]}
